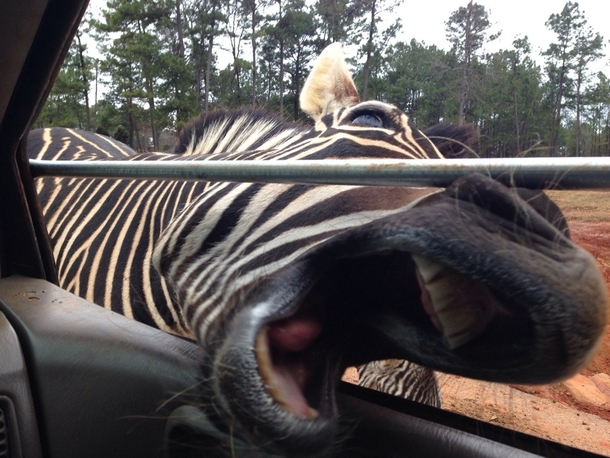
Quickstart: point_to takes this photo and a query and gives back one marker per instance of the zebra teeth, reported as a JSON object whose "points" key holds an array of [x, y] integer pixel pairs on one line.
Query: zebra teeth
{"points": [[459, 307], [283, 381]]}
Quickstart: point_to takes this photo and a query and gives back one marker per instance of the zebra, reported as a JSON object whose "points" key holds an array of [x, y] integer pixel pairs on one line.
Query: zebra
{"points": [[286, 285], [401, 378]]}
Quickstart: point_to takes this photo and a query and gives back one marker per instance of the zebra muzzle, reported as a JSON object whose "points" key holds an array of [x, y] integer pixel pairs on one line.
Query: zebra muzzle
{"points": [[456, 283]]}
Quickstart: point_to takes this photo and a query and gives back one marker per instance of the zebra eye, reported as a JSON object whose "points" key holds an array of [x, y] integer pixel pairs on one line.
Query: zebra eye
{"points": [[368, 119]]}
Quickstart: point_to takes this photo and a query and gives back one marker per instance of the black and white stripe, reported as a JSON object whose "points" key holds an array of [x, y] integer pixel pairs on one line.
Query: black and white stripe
{"points": [[402, 378]]}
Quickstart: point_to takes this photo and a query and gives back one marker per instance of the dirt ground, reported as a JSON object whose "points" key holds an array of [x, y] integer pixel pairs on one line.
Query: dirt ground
{"points": [[575, 412]]}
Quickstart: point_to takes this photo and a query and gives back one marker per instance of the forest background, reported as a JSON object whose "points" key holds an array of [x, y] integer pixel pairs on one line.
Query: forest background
{"points": [[159, 68]]}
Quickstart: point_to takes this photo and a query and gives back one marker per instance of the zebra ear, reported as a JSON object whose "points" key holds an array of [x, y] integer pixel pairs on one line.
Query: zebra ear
{"points": [[329, 85]]}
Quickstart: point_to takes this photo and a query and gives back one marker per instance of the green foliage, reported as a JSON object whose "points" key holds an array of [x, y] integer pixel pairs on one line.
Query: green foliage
{"points": [[374, 35], [338, 20], [68, 103], [166, 61], [507, 95], [567, 59], [467, 31], [121, 134], [420, 80]]}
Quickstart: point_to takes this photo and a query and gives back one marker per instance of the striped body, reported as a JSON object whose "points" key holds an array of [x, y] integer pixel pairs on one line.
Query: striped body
{"points": [[112, 226], [286, 285], [399, 377]]}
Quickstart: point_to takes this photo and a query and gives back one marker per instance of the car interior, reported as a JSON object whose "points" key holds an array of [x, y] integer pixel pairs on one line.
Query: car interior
{"points": [[77, 380]]}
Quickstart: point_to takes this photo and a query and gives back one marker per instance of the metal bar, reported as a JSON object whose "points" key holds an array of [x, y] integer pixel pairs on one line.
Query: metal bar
{"points": [[541, 173]]}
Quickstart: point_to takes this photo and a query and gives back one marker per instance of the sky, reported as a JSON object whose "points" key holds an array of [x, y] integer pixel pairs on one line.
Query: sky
{"points": [[425, 21]]}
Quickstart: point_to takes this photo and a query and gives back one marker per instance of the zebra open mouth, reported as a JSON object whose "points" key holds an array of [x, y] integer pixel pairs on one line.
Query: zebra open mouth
{"points": [[294, 353], [286, 366]]}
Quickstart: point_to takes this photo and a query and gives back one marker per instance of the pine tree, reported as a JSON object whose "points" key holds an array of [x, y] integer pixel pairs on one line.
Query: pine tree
{"points": [[587, 49], [374, 37], [467, 31], [133, 58], [68, 103], [338, 21], [576, 45], [419, 80]]}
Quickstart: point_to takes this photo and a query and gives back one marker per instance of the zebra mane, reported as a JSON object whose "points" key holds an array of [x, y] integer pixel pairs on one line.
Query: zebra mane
{"points": [[454, 141], [227, 131]]}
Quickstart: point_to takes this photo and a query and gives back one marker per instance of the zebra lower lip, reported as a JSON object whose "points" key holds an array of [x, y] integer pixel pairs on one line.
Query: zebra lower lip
{"points": [[458, 306], [284, 366]]}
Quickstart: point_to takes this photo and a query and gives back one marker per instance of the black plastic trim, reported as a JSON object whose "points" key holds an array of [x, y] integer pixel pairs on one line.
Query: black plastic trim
{"points": [[432, 432], [103, 384], [16, 402]]}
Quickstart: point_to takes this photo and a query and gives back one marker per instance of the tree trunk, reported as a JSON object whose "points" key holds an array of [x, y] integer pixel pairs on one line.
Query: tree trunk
{"points": [[253, 40], [134, 132], [578, 103], [235, 40], [517, 127], [607, 135], [557, 115], [297, 87], [463, 96], [210, 55], [179, 29], [198, 88], [208, 73], [465, 86], [97, 66], [83, 74], [557, 110], [76, 111], [281, 75], [153, 125], [369, 52]]}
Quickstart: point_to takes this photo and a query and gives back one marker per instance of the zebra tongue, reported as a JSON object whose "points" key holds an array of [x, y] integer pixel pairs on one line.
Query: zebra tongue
{"points": [[282, 368], [294, 334]]}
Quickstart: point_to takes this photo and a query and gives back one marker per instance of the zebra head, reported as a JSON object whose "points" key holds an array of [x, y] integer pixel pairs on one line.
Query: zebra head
{"points": [[286, 285]]}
